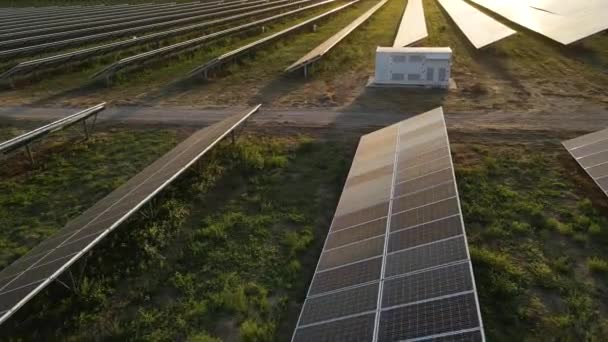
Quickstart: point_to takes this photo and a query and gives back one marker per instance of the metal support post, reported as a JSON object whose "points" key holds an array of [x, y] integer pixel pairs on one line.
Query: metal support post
{"points": [[29, 153], [64, 284], [86, 128], [306, 71]]}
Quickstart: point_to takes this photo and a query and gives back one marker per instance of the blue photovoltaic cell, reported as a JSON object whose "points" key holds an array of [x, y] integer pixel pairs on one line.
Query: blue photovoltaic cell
{"points": [[396, 265]]}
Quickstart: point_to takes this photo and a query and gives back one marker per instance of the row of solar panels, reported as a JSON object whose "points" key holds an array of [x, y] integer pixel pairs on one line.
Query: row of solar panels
{"points": [[79, 56], [99, 23], [25, 140], [395, 265], [107, 73], [571, 24], [136, 26], [30, 274]]}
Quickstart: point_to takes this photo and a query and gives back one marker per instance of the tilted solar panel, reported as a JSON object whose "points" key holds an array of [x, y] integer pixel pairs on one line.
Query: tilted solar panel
{"points": [[412, 27], [395, 265], [27, 276], [591, 153], [479, 28]]}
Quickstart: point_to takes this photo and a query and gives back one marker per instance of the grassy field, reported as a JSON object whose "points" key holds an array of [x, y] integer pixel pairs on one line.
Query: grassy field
{"points": [[36, 201], [537, 227], [228, 255]]}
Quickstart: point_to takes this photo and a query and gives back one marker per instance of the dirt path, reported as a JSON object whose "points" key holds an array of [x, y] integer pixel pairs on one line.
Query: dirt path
{"points": [[589, 120]]}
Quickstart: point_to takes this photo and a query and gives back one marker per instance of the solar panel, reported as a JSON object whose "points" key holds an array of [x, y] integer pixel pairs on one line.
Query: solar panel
{"points": [[112, 69], [27, 138], [395, 265], [566, 7], [218, 61], [142, 25], [413, 26], [480, 29], [591, 152], [324, 47], [565, 29], [48, 27], [27, 276]]}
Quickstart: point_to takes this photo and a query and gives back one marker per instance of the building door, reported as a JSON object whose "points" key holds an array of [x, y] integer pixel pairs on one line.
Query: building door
{"points": [[430, 74], [442, 74]]}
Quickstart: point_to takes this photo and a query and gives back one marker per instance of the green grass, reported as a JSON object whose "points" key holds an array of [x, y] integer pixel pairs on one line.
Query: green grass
{"points": [[535, 236], [227, 255], [70, 176]]}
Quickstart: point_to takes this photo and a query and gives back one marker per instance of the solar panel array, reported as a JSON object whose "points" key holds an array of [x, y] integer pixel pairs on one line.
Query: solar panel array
{"points": [[591, 153], [228, 56], [395, 265], [480, 29], [27, 138], [27, 276], [324, 47], [180, 47], [141, 25], [566, 28], [413, 26]]}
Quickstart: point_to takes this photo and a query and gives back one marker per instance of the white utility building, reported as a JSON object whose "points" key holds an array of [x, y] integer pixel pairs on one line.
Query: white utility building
{"points": [[413, 66]]}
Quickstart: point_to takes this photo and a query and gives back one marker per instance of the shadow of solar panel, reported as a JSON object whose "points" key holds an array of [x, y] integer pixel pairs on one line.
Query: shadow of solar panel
{"points": [[424, 182], [364, 215], [351, 253], [371, 175], [594, 159], [423, 169], [10, 299], [357, 233], [471, 336], [598, 171], [590, 149], [426, 285], [426, 256], [426, 233], [354, 329], [427, 213], [418, 199], [361, 272], [339, 304], [406, 160], [430, 318]]}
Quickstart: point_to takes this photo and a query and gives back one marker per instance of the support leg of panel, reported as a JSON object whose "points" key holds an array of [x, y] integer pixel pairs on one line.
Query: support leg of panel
{"points": [[86, 129], [64, 284], [30, 155], [306, 71]]}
